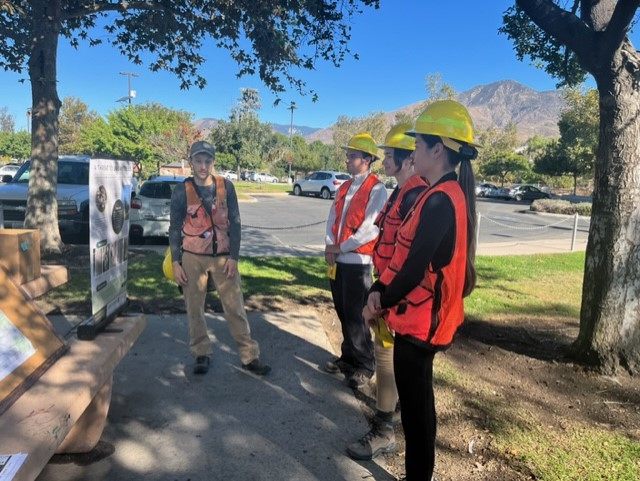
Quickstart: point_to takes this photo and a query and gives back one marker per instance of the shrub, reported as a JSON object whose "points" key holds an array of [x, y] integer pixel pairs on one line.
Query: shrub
{"points": [[556, 206]]}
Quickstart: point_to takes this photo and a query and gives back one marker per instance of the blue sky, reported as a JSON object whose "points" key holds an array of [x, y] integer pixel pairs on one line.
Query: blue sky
{"points": [[398, 44]]}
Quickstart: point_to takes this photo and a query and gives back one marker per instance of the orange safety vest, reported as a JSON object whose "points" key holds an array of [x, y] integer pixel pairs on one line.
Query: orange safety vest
{"points": [[416, 315], [206, 233], [355, 212], [388, 222]]}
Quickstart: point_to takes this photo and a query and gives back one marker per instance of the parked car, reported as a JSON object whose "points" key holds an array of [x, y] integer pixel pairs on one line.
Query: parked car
{"points": [[8, 170], [263, 177], [246, 174], [72, 195], [229, 174], [501, 192], [527, 192], [323, 183], [151, 208], [483, 187]]}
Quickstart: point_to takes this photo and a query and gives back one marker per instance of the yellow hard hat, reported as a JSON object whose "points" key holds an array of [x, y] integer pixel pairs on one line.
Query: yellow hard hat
{"points": [[445, 118], [167, 268], [397, 139], [363, 142]]}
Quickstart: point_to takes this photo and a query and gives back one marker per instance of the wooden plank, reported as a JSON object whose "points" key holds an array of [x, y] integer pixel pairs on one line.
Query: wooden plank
{"points": [[43, 416], [50, 276]]}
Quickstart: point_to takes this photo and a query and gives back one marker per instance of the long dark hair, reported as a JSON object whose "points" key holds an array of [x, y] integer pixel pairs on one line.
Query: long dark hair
{"points": [[467, 182]]}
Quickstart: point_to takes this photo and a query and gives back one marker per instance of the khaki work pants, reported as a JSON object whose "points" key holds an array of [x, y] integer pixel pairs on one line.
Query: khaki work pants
{"points": [[197, 267]]}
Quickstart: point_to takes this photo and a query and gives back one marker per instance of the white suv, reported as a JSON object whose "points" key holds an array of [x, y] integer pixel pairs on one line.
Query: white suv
{"points": [[72, 195], [323, 183]]}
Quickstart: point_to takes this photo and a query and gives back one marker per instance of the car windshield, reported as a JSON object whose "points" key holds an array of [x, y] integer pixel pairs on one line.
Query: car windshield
{"points": [[72, 173], [343, 176]]}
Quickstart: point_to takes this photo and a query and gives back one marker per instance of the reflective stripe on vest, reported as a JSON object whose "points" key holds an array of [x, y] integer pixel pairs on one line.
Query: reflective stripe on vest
{"points": [[200, 236], [355, 212], [416, 314], [388, 222]]}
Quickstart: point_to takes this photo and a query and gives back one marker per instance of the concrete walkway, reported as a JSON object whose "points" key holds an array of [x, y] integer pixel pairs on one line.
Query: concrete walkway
{"points": [[167, 424]]}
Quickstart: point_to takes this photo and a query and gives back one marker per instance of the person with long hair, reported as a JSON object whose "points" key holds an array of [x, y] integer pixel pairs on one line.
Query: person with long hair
{"points": [[432, 269], [398, 150]]}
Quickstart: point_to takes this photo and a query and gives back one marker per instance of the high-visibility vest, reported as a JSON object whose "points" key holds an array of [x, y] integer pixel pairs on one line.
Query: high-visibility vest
{"points": [[206, 232], [355, 212], [388, 221], [434, 309]]}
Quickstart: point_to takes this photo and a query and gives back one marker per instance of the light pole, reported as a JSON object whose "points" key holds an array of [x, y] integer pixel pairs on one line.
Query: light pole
{"points": [[130, 93], [292, 107]]}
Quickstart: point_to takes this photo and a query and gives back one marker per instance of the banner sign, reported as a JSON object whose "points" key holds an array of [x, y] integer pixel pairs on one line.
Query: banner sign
{"points": [[109, 204]]}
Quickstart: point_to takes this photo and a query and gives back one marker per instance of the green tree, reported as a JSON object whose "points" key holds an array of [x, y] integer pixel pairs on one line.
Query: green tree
{"points": [[535, 146], [269, 39], [15, 145], [497, 156], [505, 166], [243, 135], [592, 37], [574, 154], [74, 115]]}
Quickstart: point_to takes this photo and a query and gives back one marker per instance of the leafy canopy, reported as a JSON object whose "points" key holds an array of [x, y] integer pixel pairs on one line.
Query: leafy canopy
{"points": [[269, 39]]}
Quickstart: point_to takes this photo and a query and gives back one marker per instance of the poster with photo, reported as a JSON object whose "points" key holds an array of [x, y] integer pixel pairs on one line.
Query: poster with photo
{"points": [[110, 201]]}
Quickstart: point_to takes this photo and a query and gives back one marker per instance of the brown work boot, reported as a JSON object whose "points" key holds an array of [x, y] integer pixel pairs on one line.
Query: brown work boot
{"points": [[380, 439]]}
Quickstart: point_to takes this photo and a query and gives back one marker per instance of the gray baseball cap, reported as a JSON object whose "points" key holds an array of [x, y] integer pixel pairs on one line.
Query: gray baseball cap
{"points": [[201, 147]]}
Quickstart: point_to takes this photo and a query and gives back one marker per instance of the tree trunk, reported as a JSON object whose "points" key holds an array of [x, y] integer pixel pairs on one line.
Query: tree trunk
{"points": [[610, 314], [42, 207]]}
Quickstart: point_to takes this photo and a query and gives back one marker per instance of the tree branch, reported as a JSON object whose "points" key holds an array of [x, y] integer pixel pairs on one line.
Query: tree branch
{"points": [[564, 27], [110, 7], [618, 26]]}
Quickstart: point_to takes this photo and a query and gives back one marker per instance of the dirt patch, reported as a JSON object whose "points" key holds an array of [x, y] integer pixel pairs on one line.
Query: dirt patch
{"points": [[504, 366]]}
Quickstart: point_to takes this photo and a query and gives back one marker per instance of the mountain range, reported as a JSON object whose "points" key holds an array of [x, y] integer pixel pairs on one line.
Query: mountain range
{"points": [[496, 104]]}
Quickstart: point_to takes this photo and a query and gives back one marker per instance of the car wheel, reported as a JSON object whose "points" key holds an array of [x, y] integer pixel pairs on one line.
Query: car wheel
{"points": [[297, 190], [325, 193], [519, 198]]}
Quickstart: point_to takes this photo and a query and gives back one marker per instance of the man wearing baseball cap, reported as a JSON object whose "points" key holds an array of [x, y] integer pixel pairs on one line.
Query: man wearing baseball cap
{"points": [[204, 238]]}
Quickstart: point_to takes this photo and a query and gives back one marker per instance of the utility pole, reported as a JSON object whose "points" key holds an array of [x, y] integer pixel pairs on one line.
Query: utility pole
{"points": [[130, 93], [292, 107]]}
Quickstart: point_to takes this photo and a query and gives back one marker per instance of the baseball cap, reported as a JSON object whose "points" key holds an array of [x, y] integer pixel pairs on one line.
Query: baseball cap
{"points": [[201, 147]]}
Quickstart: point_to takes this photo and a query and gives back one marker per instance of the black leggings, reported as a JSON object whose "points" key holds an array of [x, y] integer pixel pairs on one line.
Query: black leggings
{"points": [[413, 367]]}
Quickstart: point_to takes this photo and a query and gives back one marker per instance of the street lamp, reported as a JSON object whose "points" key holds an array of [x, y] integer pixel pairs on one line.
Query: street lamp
{"points": [[131, 93], [292, 107]]}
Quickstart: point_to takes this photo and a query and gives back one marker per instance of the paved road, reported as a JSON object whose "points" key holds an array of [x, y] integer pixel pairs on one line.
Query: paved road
{"points": [[288, 225]]}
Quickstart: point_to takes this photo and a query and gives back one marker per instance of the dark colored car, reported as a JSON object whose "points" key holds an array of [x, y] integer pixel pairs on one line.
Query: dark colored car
{"points": [[527, 192]]}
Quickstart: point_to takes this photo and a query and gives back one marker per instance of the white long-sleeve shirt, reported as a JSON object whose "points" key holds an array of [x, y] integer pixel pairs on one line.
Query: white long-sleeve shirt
{"points": [[368, 231]]}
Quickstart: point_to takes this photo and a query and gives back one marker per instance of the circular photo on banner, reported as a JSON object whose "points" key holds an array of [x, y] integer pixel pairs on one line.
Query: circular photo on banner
{"points": [[117, 216], [101, 198]]}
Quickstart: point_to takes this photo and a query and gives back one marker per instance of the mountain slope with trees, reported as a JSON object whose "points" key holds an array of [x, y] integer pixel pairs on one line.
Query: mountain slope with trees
{"points": [[497, 104]]}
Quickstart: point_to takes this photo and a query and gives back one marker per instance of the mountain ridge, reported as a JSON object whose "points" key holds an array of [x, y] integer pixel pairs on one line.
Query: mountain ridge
{"points": [[491, 105]]}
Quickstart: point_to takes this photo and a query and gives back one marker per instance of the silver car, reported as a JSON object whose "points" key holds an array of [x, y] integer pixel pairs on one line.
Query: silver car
{"points": [[323, 183], [151, 208]]}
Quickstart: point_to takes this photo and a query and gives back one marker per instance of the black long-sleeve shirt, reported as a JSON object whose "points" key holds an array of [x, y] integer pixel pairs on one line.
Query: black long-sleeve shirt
{"points": [[433, 244]]}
